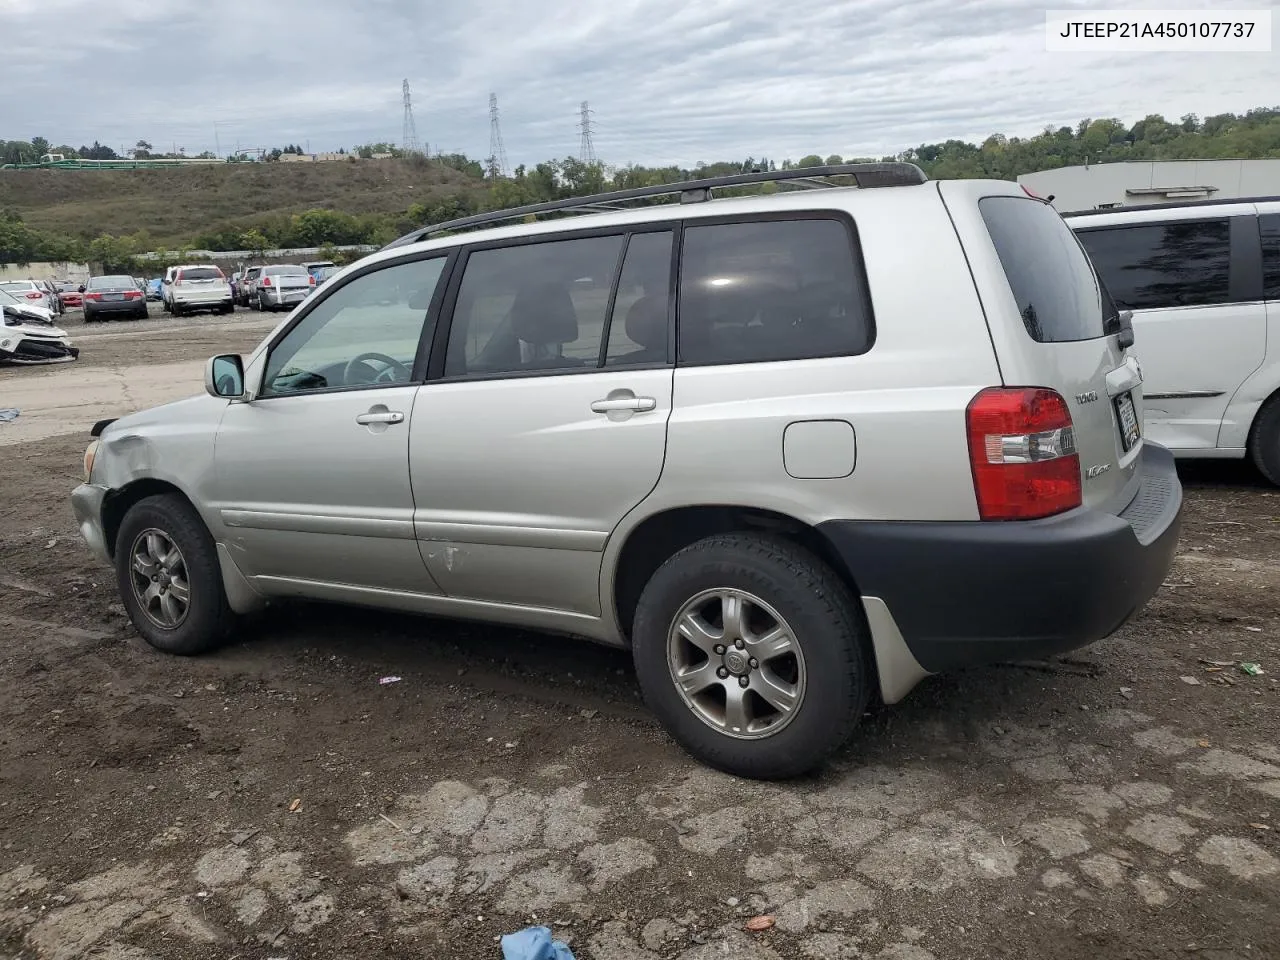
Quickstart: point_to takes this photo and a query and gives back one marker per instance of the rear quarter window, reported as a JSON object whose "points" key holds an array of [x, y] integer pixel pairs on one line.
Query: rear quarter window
{"points": [[1058, 295]]}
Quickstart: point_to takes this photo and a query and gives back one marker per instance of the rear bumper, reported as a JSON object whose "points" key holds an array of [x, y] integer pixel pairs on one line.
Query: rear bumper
{"points": [[115, 306], [290, 297], [975, 592]]}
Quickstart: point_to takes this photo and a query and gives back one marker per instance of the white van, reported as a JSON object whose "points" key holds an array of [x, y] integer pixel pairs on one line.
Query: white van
{"points": [[1203, 281]]}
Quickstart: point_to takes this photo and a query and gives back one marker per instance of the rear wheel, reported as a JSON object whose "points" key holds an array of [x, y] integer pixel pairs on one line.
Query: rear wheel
{"points": [[753, 654], [168, 575], [1264, 440]]}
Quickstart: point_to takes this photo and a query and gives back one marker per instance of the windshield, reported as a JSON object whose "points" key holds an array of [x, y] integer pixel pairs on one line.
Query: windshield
{"points": [[285, 270], [65, 286], [23, 285], [7, 299], [99, 283]]}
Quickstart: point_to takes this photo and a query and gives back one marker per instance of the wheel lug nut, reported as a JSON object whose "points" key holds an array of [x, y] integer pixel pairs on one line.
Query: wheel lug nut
{"points": [[722, 673], [754, 663], [740, 645], [744, 682], [719, 649]]}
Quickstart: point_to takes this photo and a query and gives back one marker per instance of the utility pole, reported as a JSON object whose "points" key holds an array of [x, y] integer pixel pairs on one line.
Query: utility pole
{"points": [[409, 136], [497, 162], [586, 149]]}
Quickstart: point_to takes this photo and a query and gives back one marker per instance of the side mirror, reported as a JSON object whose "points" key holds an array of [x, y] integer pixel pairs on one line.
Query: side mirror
{"points": [[82, 288], [1125, 337], [224, 377]]}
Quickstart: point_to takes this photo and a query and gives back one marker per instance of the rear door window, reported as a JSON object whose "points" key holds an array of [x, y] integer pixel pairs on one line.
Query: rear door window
{"points": [[1180, 263], [1058, 295]]}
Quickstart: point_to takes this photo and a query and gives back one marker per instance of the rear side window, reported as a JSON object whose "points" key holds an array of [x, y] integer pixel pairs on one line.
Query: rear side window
{"points": [[1269, 228], [1181, 263], [1057, 293], [755, 291]]}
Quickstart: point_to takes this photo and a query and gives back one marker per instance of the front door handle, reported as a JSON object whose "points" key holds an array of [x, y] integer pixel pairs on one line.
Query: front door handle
{"points": [[638, 404], [384, 416]]}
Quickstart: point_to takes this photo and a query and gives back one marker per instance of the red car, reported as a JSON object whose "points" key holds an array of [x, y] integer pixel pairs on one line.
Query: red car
{"points": [[69, 294]]}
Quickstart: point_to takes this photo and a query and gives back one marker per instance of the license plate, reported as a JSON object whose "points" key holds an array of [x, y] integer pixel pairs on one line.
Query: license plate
{"points": [[113, 296], [1130, 429]]}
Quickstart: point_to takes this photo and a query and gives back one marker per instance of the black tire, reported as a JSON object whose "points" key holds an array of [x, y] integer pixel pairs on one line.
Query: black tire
{"points": [[1264, 440], [829, 629], [261, 304], [208, 618]]}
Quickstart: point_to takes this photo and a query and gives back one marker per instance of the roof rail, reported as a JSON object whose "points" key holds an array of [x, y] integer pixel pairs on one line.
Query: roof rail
{"points": [[1172, 205], [865, 175]]}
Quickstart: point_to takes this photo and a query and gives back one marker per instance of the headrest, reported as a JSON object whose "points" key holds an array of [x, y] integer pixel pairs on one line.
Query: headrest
{"points": [[543, 314], [646, 323]]}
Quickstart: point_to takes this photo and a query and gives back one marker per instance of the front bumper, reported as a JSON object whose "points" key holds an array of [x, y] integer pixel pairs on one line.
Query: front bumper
{"points": [[86, 502], [963, 593]]}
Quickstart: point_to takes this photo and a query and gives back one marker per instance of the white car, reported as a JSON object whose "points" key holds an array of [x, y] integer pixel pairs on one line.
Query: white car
{"points": [[29, 338], [193, 287], [1202, 279], [29, 292], [32, 306]]}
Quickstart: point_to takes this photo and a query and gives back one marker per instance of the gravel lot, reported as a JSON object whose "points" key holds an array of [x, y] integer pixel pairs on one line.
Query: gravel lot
{"points": [[274, 800]]}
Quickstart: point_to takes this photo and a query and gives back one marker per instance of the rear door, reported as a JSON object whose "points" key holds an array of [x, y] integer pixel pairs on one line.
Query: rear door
{"points": [[1052, 324], [1194, 284]]}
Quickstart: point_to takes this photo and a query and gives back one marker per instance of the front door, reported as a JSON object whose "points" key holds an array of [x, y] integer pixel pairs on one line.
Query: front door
{"points": [[548, 421], [312, 474]]}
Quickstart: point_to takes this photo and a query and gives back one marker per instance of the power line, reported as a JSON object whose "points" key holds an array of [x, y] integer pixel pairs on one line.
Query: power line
{"points": [[497, 162], [409, 138], [586, 149]]}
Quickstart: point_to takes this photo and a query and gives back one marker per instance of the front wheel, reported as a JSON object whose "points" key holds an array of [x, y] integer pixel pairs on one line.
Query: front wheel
{"points": [[168, 575], [753, 654]]}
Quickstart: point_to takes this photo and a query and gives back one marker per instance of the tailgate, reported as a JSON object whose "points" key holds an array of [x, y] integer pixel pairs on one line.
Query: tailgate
{"points": [[1053, 325]]}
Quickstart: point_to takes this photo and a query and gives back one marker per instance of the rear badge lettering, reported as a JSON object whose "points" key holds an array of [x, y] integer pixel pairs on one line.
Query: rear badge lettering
{"points": [[1089, 397], [1097, 470]]}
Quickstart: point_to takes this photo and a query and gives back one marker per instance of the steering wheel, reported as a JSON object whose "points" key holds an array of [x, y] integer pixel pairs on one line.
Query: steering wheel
{"points": [[392, 366]]}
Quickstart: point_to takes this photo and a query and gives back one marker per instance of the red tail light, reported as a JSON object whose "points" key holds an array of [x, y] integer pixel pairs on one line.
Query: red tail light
{"points": [[93, 296], [1023, 453], [132, 294], [34, 295], [311, 279], [266, 281]]}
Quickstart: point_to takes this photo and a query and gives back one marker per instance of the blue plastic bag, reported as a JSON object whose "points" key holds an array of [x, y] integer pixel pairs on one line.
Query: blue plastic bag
{"points": [[533, 943]]}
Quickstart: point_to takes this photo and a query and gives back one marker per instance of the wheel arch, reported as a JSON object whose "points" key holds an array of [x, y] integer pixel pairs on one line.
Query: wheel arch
{"points": [[655, 538], [118, 502]]}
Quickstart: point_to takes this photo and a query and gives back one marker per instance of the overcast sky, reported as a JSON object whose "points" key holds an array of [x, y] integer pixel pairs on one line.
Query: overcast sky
{"points": [[667, 80]]}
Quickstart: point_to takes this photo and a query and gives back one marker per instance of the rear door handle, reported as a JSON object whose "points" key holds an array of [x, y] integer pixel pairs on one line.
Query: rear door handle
{"points": [[639, 404], [386, 416]]}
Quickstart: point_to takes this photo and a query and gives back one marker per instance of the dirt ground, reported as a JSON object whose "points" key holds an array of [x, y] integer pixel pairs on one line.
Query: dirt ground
{"points": [[275, 800]]}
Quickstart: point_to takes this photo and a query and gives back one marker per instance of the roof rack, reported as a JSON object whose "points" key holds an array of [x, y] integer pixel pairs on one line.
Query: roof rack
{"points": [[865, 175]]}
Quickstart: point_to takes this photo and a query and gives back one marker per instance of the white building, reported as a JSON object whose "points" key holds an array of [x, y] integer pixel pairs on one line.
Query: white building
{"points": [[1131, 183]]}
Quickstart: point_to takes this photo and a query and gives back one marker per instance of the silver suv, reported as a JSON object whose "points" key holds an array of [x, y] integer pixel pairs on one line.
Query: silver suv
{"points": [[794, 450]]}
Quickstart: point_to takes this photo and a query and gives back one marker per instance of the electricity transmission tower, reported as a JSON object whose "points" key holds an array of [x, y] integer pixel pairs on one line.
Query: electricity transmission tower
{"points": [[409, 138], [497, 150], [586, 149]]}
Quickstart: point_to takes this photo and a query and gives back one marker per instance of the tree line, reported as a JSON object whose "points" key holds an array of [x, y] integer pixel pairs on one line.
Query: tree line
{"points": [[1254, 134]]}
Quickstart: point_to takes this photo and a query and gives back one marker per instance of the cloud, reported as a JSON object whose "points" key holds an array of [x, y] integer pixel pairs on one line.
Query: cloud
{"points": [[669, 81]]}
